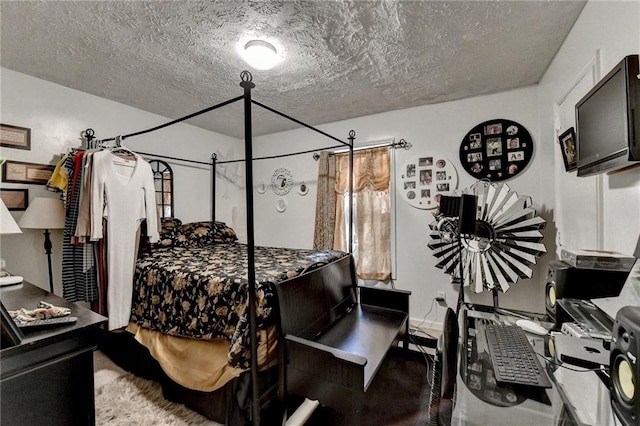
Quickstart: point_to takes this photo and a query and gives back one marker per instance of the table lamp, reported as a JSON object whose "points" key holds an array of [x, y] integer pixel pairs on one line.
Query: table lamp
{"points": [[7, 226], [44, 213]]}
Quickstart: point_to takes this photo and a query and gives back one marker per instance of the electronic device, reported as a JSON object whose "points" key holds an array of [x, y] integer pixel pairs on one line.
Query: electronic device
{"points": [[565, 281], [629, 295], [468, 212], [584, 317], [596, 259], [46, 323], [608, 121], [464, 208], [11, 334], [513, 358], [581, 351], [625, 369], [574, 330], [531, 327]]}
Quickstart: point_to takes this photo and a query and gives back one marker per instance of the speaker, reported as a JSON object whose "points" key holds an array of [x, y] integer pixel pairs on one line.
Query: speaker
{"points": [[625, 350], [565, 281], [550, 352]]}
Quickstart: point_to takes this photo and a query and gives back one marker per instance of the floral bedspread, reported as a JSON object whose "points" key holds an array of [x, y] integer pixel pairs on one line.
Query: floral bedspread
{"points": [[201, 292]]}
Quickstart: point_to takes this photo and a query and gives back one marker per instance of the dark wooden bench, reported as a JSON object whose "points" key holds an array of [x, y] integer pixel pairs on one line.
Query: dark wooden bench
{"points": [[335, 341]]}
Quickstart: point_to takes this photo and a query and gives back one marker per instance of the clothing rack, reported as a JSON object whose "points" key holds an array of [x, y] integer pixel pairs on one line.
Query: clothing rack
{"points": [[247, 84]]}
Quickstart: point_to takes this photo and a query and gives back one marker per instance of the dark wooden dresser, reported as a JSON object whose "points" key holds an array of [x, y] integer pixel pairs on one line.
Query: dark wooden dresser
{"points": [[47, 379]]}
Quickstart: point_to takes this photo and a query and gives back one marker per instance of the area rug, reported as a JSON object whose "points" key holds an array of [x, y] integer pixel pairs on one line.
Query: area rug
{"points": [[131, 400]]}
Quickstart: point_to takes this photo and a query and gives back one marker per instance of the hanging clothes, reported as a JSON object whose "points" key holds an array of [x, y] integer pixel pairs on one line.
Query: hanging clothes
{"points": [[79, 278], [123, 194]]}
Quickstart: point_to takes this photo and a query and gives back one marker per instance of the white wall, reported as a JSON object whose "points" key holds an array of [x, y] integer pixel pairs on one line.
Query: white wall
{"points": [[57, 115], [598, 212], [437, 129]]}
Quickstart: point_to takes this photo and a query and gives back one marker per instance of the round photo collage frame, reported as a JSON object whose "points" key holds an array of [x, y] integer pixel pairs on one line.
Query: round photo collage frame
{"points": [[424, 180], [496, 150]]}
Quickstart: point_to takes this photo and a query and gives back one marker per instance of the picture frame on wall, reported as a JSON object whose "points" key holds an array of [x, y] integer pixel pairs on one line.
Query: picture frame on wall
{"points": [[15, 199], [567, 142], [15, 137], [29, 173], [496, 150]]}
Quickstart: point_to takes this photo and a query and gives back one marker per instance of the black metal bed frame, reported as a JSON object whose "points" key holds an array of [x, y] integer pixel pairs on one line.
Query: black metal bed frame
{"points": [[247, 84]]}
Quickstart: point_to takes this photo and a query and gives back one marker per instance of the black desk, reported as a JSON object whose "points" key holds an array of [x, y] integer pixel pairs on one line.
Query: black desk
{"points": [[576, 398], [48, 378]]}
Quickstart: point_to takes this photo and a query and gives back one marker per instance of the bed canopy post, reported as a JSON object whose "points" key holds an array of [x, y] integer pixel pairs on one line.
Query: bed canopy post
{"points": [[352, 136], [247, 84], [214, 158]]}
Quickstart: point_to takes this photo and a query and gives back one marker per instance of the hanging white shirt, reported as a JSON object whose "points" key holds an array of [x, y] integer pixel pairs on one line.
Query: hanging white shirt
{"points": [[123, 193]]}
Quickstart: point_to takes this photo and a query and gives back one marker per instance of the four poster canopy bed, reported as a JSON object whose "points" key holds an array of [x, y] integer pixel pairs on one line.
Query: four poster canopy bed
{"points": [[232, 351]]}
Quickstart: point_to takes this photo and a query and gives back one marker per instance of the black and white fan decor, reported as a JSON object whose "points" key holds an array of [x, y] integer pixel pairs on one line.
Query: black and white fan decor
{"points": [[505, 243]]}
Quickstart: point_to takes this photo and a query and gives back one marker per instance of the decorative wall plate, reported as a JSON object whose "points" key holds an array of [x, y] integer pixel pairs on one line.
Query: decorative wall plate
{"points": [[281, 181], [281, 206], [496, 150], [303, 189], [423, 180], [262, 187], [506, 242]]}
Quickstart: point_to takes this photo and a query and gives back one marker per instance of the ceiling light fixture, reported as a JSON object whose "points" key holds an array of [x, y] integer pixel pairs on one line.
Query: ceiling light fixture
{"points": [[260, 54]]}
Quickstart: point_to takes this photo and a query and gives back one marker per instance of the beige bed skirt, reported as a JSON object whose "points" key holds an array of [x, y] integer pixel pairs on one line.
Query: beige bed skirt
{"points": [[201, 365]]}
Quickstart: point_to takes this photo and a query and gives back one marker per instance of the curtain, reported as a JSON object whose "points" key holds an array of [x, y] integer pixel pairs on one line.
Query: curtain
{"points": [[325, 203], [372, 203]]}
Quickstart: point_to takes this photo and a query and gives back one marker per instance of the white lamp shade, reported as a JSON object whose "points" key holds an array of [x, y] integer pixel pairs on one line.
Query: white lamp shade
{"points": [[260, 54], [43, 213], [7, 224]]}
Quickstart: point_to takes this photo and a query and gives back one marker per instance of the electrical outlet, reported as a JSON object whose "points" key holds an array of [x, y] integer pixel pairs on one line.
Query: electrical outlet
{"points": [[442, 296]]}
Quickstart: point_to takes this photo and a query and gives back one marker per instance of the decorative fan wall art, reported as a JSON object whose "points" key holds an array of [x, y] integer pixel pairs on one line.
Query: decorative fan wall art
{"points": [[506, 242]]}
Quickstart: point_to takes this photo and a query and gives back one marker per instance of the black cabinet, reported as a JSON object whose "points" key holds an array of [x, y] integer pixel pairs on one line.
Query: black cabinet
{"points": [[48, 378]]}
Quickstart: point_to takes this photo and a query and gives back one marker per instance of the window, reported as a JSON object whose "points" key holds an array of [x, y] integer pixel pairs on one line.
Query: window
{"points": [[371, 211], [163, 180]]}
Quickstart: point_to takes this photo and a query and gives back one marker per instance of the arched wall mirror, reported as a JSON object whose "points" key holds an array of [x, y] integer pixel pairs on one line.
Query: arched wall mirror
{"points": [[163, 180]]}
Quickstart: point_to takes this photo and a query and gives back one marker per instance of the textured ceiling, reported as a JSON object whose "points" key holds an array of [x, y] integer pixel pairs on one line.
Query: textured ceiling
{"points": [[342, 59]]}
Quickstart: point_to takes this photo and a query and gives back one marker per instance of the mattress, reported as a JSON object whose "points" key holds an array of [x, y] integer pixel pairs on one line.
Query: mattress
{"points": [[201, 292]]}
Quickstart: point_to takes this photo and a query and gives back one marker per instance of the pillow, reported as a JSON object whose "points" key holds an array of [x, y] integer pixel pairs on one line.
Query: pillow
{"points": [[223, 234], [198, 233], [170, 230]]}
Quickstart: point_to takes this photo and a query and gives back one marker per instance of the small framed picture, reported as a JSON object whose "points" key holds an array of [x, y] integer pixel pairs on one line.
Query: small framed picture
{"points": [[493, 129], [568, 147], [15, 199], [19, 172], [15, 137]]}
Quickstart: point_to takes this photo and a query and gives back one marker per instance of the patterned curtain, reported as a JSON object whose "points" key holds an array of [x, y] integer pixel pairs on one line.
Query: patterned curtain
{"points": [[372, 204], [325, 203]]}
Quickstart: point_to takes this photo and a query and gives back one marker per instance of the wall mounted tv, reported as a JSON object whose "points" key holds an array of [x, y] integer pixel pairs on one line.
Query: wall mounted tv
{"points": [[608, 121]]}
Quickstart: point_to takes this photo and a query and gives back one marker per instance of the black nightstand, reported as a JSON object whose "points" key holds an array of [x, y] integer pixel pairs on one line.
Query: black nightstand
{"points": [[48, 378]]}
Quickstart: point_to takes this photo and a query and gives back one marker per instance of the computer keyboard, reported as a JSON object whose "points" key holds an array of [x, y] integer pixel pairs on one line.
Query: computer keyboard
{"points": [[513, 358]]}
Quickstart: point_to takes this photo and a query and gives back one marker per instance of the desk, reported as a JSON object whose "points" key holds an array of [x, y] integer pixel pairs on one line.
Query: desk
{"points": [[48, 378], [576, 398]]}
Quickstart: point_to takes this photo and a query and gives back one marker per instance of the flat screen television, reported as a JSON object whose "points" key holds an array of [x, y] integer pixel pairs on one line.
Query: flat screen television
{"points": [[608, 121]]}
